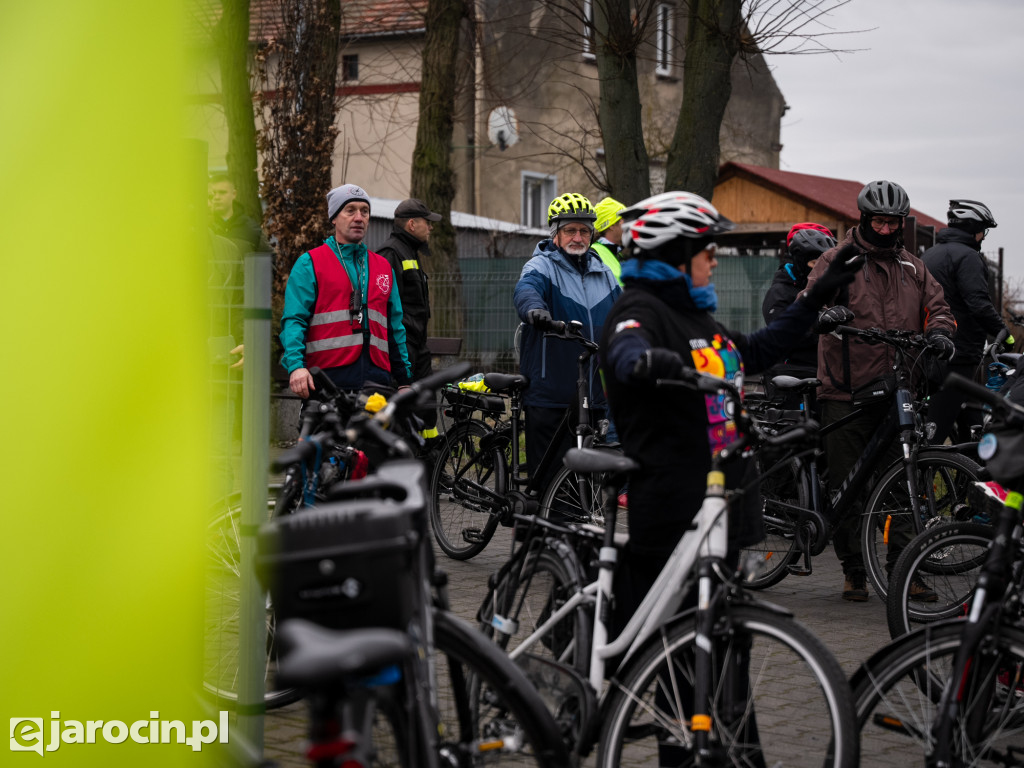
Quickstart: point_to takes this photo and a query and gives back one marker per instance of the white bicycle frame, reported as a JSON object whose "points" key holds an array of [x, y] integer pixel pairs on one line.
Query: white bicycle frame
{"points": [[708, 538]]}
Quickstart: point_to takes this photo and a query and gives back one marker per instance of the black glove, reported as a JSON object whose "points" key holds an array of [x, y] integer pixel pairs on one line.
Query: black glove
{"points": [[1004, 338], [840, 272], [658, 363], [941, 344], [539, 319], [832, 318]]}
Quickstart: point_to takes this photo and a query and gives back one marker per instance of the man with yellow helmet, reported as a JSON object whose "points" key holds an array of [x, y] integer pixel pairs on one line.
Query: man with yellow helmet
{"points": [[609, 234], [564, 280]]}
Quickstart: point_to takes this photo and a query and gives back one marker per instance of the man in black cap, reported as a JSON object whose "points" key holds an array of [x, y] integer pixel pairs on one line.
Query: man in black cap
{"points": [[341, 311], [405, 246]]}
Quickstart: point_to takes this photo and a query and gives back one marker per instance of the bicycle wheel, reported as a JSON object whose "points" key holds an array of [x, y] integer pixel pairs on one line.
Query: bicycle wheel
{"points": [[785, 487], [550, 576], [778, 697], [468, 474], [897, 692], [222, 607], [947, 560], [489, 713], [577, 498], [943, 480]]}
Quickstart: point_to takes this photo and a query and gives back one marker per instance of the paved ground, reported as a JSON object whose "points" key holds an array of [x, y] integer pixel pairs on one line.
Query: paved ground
{"points": [[851, 630]]}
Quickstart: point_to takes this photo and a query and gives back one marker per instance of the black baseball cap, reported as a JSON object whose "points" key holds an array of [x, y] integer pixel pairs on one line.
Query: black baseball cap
{"points": [[415, 209]]}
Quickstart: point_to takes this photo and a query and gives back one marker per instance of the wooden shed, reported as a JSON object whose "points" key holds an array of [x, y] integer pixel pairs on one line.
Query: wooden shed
{"points": [[765, 203]]}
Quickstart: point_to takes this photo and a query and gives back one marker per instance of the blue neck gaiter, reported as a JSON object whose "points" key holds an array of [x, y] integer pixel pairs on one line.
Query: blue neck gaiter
{"points": [[704, 297]]}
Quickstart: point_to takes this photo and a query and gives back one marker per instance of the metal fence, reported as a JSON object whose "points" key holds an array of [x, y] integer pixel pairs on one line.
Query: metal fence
{"points": [[490, 317]]}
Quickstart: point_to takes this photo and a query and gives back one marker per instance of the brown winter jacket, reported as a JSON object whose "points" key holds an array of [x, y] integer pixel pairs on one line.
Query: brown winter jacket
{"points": [[892, 290]]}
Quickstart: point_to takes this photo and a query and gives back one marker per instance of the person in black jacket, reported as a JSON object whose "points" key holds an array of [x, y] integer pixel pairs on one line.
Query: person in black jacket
{"points": [[227, 218], [804, 244], [664, 321], [408, 241], [957, 264]]}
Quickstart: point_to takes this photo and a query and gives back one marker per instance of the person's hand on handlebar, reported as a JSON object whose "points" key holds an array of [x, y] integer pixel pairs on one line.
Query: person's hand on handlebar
{"points": [[1004, 339], [301, 382], [658, 363], [832, 318], [539, 318], [941, 344]]}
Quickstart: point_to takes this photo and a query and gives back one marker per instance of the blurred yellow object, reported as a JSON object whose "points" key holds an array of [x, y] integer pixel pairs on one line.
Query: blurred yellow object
{"points": [[375, 402], [474, 386]]}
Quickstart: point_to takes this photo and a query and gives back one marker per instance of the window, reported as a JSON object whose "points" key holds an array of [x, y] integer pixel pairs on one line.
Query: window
{"points": [[350, 66], [538, 192], [663, 40], [588, 30]]}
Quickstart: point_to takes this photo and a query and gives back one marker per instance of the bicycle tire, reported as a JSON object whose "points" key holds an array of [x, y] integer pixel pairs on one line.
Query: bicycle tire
{"points": [[564, 501], [456, 508], [794, 686], [550, 576], [948, 559], [897, 692], [221, 609], [487, 698], [944, 477], [779, 548]]}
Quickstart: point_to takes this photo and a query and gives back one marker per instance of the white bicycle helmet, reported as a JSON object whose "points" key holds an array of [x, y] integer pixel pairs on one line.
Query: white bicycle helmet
{"points": [[970, 215], [659, 220]]}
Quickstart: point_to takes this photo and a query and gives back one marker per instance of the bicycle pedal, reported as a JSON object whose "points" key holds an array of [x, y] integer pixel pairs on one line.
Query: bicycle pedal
{"points": [[798, 570], [472, 536]]}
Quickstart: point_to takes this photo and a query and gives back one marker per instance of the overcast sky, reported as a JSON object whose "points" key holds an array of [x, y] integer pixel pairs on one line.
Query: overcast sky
{"points": [[931, 99]]}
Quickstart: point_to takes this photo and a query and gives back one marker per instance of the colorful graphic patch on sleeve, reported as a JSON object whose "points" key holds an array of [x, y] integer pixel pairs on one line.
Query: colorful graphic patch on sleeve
{"points": [[625, 325], [720, 358]]}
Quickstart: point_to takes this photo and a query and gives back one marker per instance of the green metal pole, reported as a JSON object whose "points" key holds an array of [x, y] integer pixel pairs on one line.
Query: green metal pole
{"points": [[252, 624]]}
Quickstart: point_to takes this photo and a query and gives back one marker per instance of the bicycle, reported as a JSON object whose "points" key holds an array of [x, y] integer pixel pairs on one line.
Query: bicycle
{"points": [[926, 486], [700, 687], [364, 631], [951, 693], [307, 475], [478, 478]]}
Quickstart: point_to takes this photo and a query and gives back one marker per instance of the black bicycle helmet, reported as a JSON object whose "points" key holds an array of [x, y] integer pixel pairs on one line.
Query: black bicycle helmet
{"points": [[883, 198], [970, 216], [807, 244]]}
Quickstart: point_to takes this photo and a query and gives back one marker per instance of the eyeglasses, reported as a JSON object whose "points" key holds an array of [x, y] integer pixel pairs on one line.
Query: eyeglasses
{"points": [[892, 222], [711, 248], [576, 231]]}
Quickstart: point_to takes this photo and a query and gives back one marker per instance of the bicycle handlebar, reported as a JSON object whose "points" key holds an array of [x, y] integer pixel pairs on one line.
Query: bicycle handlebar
{"points": [[893, 337], [571, 331], [1013, 413]]}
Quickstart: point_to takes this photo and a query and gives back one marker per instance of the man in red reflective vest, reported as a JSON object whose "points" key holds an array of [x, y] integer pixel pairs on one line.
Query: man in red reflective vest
{"points": [[342, 310]]}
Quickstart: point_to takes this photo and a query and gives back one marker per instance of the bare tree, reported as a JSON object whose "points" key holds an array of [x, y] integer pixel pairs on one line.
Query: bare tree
{"points": [[231, 42], [433, 179], [620, 116], [298, 67], [717, 31]]}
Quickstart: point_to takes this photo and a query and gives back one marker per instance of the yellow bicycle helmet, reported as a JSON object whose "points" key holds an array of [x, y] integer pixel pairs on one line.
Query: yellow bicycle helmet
{"points": [[608, 211], [571, 206]]}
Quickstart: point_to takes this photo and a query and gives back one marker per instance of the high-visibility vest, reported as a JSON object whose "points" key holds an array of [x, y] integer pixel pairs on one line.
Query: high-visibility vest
{"points": [[336, 331], [609, 258]]}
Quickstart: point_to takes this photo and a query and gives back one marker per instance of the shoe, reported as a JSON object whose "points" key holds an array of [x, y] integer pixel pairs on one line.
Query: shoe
{"points": [[921, 592], [856, 588], [623, 501]]}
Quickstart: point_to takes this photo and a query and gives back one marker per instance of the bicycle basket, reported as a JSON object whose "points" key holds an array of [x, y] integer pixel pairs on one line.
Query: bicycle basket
{"points": [[343, 565]]}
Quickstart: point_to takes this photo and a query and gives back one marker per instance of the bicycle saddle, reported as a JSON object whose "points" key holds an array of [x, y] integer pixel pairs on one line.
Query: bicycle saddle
{"points": [[505, 382], [317, 657], [590, 460], [793, 384]]}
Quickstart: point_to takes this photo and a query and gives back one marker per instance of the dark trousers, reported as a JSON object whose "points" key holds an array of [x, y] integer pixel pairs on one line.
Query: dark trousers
{"points": [[542, 429], [843, 447], [945, 408], [419, 358]]}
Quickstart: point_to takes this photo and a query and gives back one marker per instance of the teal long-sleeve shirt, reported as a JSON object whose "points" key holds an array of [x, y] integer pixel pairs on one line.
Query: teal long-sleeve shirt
{"points": [[300, 297]]}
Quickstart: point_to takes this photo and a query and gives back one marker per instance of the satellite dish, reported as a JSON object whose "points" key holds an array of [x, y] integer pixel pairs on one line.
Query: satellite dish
{"points": [[502, 128]]}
